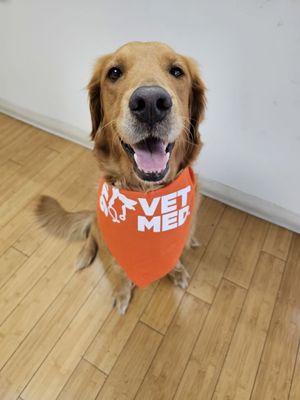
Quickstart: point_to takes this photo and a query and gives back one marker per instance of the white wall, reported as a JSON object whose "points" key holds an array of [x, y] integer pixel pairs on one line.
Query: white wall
{"points": [[249, 52]]}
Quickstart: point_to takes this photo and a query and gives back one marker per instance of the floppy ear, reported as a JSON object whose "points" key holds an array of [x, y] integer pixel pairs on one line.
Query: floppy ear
{"points": [[94, 92], [197, 103], [197, 100]]}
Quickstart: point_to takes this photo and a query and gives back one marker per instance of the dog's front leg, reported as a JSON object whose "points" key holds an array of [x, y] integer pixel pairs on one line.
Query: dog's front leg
{"points": [[123, 293], [179, 276], [88, 253]]}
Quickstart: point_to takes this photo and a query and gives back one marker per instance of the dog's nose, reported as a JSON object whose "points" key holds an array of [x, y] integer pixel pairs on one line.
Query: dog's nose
{"points": [[150, 104]]}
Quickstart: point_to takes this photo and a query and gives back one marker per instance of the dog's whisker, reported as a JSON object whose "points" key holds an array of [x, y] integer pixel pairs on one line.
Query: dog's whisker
{"points": [[186, 132], [101, 128]]}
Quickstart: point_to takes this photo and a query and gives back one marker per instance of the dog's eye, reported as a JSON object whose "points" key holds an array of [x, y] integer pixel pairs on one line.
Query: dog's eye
{"points": [[176, 71], [114, 73]]}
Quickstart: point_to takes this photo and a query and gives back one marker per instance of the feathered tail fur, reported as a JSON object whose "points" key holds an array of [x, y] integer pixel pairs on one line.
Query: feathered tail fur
{"points": [[59, 222]]}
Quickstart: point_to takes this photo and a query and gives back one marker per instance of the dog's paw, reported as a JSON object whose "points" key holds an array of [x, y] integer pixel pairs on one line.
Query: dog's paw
{"points": [[84, 259], [194, 243], [179, 276], [121, 302]]}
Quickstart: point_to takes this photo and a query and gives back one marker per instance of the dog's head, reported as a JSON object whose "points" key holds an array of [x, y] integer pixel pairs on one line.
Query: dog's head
{"points": [[146, 103]]}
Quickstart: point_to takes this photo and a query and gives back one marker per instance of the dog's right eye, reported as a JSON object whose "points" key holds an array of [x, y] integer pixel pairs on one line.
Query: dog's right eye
{"points": [[114, 73], [176, 71]]}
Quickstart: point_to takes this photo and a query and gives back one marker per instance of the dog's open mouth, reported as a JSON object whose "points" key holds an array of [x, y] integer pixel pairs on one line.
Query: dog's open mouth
{"points": [[150, 157]]}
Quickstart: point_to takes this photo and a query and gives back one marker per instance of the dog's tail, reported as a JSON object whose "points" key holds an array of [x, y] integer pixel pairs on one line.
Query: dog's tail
{"points": [[59, 222]]}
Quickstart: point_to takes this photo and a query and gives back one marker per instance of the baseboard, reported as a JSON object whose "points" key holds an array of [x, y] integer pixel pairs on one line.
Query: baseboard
{"points": [[47, 124], [251, 204], [226, 194]]}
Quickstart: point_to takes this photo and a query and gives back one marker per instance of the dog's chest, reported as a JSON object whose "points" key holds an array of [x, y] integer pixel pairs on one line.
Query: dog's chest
{"points": [[146, 232]]}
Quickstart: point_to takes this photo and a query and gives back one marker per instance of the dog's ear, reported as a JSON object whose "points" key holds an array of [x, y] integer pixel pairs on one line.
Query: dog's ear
{"points": [[197, 101], [94, 92], [197, 104]]}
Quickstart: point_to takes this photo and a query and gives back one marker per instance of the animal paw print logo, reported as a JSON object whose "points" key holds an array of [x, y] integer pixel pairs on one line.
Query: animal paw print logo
{"points": [[115, 204]]}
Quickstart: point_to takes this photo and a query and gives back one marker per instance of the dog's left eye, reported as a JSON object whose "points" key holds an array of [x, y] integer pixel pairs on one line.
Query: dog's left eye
{"points": [[114, 73], [176, 71]]}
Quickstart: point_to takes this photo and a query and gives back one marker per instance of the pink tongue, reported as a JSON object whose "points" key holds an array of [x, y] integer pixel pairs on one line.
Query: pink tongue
{"points": [[151, 158]]}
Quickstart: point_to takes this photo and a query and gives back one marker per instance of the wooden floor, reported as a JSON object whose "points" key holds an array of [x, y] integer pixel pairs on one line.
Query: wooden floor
{"points": [[234, 334]]}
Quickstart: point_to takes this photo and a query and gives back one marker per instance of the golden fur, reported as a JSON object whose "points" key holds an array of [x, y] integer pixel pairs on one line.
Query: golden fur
{"points": [[144, 64]]}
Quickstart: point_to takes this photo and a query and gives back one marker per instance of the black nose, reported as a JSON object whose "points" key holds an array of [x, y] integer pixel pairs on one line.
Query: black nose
{"points": [[150, 104]]}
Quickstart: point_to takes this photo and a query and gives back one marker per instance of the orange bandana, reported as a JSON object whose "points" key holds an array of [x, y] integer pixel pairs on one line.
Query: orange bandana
{"points": [[146, 232]]}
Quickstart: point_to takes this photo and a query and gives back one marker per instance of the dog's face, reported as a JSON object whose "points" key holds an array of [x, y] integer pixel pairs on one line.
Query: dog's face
{"points": [[146, 103]]}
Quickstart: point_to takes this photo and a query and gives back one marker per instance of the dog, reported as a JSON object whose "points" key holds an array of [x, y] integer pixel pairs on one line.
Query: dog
{"points": [[146, 104]]}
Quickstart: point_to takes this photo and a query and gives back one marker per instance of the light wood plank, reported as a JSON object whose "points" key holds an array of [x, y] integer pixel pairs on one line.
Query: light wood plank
{"points": [[21, 135], [18, 225], [11, 136], [7, 172], [81, 171], [241, 364], [244, 258], [6, 124], [49, 169], [57, 143], [278, 241], [11, 193], [24, 174], [191, 258], [276, 369], [295, 389], [9, 133], [110, 340], [10, 262], [25, 140], [32, 145], [208, 217], [31, 308], [164, 303], [30, 239], [34, 348], [84, 384], [168, 365], [31, 271], [130, 369], [4, 119], [65, 190], [209, 273], [22, 231], [59, 365], [26, 277], [162, 306], [207, 359]]}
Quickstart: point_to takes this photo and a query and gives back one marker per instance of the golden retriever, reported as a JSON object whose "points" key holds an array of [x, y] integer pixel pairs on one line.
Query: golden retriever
{"points": [[144, 98]]}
